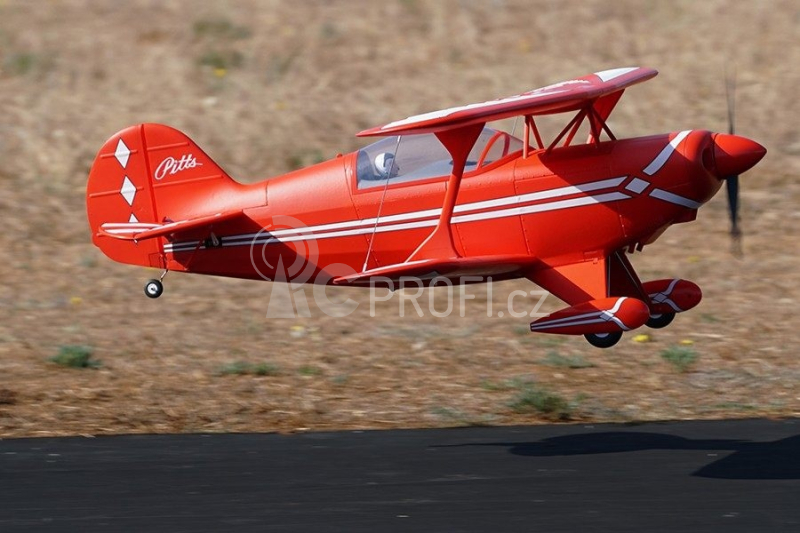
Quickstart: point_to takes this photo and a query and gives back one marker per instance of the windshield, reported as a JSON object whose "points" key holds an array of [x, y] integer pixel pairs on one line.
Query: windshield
{"points": [[418, 157]]}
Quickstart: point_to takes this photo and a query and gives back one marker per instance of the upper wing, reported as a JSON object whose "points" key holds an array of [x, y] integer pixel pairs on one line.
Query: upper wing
{"points": [[557, 98], [137, 231]]}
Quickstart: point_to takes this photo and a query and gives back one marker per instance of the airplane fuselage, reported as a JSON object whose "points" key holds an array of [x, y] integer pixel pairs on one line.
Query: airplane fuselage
{"points": [[557, 207]]}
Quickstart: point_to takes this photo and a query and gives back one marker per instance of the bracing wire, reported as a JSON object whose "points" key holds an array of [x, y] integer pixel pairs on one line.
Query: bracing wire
{"points": [[380, 206]]}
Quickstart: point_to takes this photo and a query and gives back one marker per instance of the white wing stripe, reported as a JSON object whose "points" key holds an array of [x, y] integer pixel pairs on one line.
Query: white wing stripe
{"points": [[608, 75]]}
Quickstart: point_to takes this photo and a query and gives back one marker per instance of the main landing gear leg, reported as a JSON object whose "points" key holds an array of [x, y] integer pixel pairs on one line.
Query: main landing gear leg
{"points": [[154, 287]]}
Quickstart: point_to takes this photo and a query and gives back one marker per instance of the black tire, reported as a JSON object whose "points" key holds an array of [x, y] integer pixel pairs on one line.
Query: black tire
{"points": [[153, 288], [603, 340], [660, 321]]}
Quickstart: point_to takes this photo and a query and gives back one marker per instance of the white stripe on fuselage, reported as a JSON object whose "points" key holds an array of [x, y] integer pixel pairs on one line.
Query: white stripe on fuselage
{"points": [[435, 213], [662, 158], [324, 231], [672, 198]]}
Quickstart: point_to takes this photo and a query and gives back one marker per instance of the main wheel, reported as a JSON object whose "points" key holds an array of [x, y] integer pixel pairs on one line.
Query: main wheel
{"points": [[153, 288], [660, 321], [603, 340]]}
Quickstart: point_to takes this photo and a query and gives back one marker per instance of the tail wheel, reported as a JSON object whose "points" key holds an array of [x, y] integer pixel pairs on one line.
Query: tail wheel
{"points": [[603, 340], [153, 288], [660, 321]]}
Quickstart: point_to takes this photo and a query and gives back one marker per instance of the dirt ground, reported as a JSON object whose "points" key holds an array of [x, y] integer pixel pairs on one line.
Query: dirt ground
{"points": [[266, 86]]}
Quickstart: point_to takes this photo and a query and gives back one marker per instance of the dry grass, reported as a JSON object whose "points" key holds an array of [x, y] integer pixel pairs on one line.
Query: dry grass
{"points": [[266, 86]]}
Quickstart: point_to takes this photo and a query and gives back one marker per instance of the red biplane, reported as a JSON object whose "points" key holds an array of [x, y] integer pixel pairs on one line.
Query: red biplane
{"points": [[441, 195]]}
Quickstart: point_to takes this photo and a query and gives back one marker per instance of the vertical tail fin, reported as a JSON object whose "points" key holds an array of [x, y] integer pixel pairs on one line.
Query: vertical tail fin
{"points": [[147, 175]]}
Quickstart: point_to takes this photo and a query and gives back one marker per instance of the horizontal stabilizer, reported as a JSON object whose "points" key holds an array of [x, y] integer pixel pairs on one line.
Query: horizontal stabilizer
{"points": [[137, 231]]}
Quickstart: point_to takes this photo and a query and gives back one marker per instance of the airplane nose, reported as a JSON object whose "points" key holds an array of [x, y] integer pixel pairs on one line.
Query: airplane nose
{"points": [[734, 154]]}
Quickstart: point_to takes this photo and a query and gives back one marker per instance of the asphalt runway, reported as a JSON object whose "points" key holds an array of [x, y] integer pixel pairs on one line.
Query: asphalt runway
{"points": [[688, 476]]}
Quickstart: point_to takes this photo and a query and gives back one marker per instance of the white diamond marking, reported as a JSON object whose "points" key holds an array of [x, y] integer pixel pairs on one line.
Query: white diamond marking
{"points": [[122, 153], [637, 185], [133, 219], [128, 190]]}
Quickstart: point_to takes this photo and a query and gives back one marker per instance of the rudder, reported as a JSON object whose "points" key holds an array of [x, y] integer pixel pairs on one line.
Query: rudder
{"points": [[148, 175]]}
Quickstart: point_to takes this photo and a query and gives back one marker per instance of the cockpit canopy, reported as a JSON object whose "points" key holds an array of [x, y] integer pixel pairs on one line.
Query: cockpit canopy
{"points": [[419, 157]]}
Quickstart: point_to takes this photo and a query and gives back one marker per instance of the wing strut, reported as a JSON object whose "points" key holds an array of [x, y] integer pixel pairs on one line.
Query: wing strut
{"points": [[600, 111], [597, 124], [530, 125], [439, 244]]}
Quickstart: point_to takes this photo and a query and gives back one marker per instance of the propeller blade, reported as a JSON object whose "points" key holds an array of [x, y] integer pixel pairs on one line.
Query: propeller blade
{"points": [[732, 185], [732, 182], [730, 96]]}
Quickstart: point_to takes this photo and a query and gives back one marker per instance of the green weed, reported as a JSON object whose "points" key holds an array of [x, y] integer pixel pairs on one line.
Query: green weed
{"points": [[265, 369], [507, 384], [74, 356], [540, 400], [735, 406], [564, 361], [680, 357], [308, 371], [329, 31], [340, 380], [20, 64], [279, 65], [221, 61], [88, 261], [220, 28], [242, 368]]}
